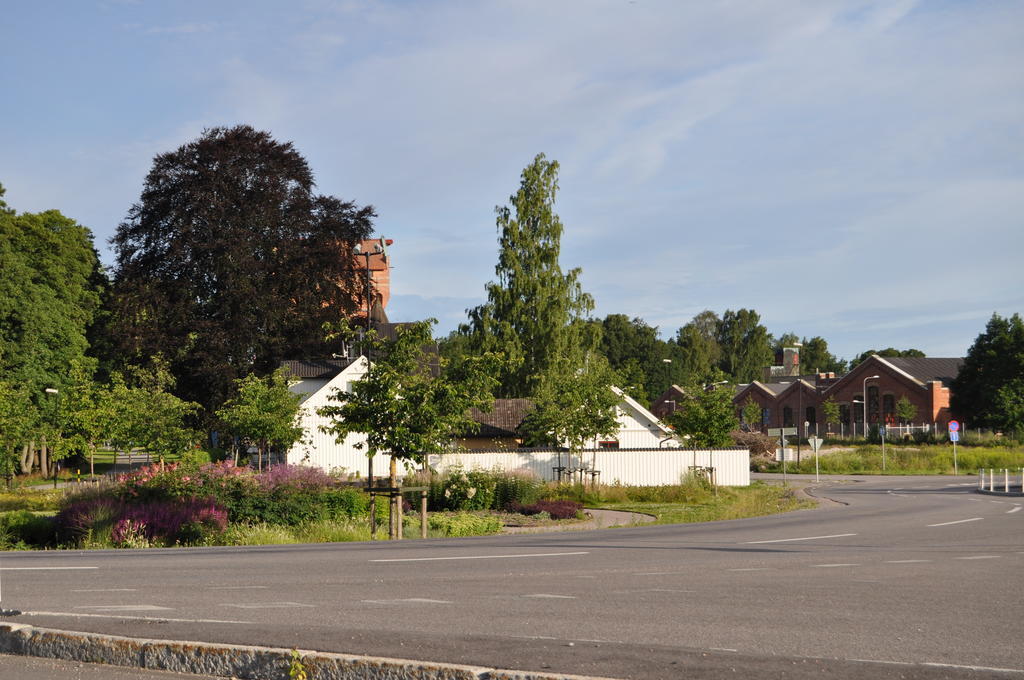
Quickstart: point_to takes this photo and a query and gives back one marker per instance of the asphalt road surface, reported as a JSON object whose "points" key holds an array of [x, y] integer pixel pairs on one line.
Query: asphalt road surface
{"points": [[898, 577]]}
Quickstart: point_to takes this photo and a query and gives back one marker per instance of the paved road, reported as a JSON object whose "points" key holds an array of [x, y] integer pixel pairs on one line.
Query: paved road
{"points": [[896, 571]]}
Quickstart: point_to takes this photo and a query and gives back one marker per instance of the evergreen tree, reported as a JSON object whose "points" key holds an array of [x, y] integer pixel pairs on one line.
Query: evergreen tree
{"points": [[535, 313], [989, 390]]}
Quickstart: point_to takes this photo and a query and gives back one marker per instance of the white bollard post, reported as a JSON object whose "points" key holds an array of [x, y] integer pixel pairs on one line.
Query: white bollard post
{"points": [[981, 479], [991, 479], [1006, 480]]}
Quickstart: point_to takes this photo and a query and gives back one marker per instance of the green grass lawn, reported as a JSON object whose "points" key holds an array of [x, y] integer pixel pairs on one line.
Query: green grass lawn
{"points": [[730, 503], [925, 459]]}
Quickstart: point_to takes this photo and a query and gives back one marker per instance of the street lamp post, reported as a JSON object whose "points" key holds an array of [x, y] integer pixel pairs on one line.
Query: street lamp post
{"points": [[864, 392], [358, 250], [56, 415]]}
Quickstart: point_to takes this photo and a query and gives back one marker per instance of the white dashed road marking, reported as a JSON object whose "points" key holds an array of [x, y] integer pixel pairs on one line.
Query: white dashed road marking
{"points": [[478, 557], [980, 557], [127, 608], [905, 561], [751, 569], [415, 600], [836, 565], [1016, 509], [548, 596], [44, 568], [959, 521], [269, 605], [105, 590], [804, 538]]}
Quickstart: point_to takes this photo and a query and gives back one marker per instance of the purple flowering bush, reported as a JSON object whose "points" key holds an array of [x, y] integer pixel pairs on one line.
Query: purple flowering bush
{"points": [[187, 504], [100, 520]]}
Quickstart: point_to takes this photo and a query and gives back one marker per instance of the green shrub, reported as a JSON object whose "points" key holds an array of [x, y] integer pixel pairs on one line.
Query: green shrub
{"points": [[464, 524], [473, 490], [343, 502], [22, 529], [24, 499], [522, 487]]}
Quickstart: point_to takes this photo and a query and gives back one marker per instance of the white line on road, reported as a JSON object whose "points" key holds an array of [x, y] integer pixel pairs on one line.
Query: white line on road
{"points": [[478, 557], [959, 521], [805, 538], [105, 590], [419, 600], [79, 614], [751, 569], [269, 605], [654, 573], [126, 608], [548, 596], [722, 649], [973, 668], [1016, 509], [980, 557], [43, 568], [841, 564], [905, 561], [237, 587]]}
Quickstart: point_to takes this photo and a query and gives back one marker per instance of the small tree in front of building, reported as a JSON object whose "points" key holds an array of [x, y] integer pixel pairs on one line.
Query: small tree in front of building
{"points": [[707, 417], [264, 412], [905, 410], [751, 413], [405, 407], [574, 404], [830, 409]]}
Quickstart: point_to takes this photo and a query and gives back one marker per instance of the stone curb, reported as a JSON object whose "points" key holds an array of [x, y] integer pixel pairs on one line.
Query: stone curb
{"points": [[238, 661]]}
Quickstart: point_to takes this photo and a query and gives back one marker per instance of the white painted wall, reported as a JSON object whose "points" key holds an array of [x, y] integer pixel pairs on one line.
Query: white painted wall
{"points": [[319, 448], [650, 467]]}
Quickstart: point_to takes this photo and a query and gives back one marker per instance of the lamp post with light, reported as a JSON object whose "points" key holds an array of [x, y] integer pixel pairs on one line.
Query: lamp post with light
{"points": [[864, 392], [358, 251]]}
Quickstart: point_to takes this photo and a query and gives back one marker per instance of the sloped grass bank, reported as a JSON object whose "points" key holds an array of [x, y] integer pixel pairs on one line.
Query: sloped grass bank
{"points": [[925, 459]]}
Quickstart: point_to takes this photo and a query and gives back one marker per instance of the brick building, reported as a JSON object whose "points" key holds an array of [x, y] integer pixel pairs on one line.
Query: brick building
{"points": [[797, 402]]}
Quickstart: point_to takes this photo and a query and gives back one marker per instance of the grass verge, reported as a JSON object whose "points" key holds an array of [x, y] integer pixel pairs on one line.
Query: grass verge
{"points": [[755, 500]]}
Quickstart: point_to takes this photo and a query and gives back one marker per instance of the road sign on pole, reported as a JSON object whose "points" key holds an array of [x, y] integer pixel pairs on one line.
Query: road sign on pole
{"points": [[815, 443], [954, 426], [954, 436]]}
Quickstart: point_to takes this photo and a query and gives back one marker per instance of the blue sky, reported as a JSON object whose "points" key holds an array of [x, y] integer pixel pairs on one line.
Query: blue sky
{"points": [[848, 168]]}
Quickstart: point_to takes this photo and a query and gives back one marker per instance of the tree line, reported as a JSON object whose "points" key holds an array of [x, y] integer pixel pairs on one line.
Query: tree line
{"points": [[231, 262]]}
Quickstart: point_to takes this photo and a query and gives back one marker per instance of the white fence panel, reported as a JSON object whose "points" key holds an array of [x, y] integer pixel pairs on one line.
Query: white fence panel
{"points": [[637, 467]]}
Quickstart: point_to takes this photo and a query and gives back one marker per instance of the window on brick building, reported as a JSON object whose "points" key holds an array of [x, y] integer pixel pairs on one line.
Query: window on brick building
{"points": [[889, 409], [873, 404], [787, 416]]}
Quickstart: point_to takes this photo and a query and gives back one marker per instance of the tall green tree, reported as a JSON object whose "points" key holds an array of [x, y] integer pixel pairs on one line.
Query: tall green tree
{"points": [[50, 285], [230, 262], [535, 313], [405, 408], [830, 409], [814, 356], [699, 350], [264, 412], [745, 345], [989, 386]]}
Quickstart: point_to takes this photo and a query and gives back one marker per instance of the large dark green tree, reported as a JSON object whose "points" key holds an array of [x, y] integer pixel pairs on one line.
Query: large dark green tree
{"points": [[230, 262], [535, 313], [646, 364], [745, 345], [989, 390], [699, 350]]}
